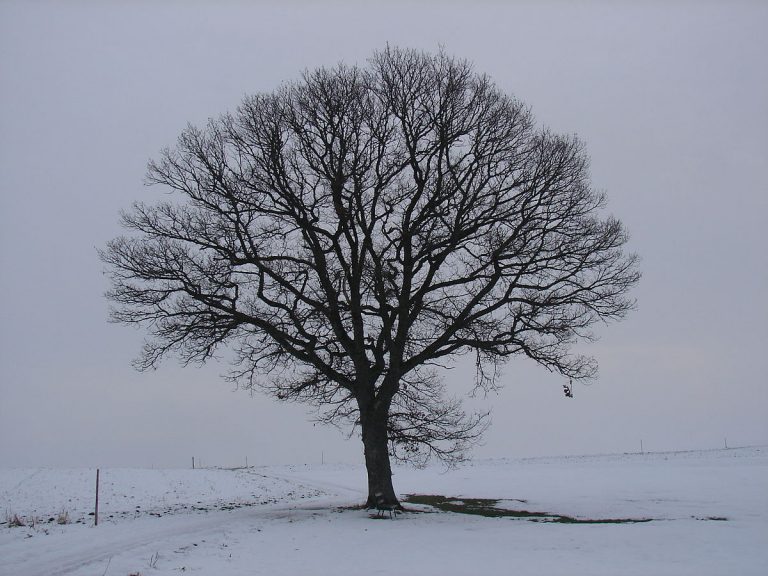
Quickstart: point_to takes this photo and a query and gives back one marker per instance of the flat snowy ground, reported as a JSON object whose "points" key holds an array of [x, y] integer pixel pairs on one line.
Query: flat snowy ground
{"points": [[708, 511]]}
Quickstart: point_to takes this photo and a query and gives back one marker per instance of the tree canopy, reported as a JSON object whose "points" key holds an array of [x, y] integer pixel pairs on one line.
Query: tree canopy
{"points": [[354, 231]]}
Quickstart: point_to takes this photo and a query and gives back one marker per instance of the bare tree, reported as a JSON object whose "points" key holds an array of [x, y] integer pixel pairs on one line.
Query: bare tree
{"points": [[353, 232]]}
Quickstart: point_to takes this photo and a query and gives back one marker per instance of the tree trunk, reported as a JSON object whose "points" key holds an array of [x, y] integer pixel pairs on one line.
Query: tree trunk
{"points": [[375, 446]]}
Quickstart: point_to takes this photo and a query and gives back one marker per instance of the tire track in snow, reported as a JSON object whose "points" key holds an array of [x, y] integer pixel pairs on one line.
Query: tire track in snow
{"points": [[68, 552], [339, 490], [64, 553]]}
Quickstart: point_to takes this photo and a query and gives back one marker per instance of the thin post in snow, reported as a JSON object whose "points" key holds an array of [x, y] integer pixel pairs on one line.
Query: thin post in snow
{"points": [[725, 441], [193, 462], [641, 447], [96, 510]]}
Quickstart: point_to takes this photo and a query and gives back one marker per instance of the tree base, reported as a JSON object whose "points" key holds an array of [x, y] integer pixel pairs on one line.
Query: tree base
{"points": [[374, 503]]}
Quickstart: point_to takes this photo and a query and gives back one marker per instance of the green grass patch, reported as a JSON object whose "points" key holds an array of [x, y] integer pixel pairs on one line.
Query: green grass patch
{"points": [[489, 508]]}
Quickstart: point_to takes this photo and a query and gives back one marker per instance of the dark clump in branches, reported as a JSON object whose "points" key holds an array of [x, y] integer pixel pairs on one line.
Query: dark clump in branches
{"points": [[352, 232]]}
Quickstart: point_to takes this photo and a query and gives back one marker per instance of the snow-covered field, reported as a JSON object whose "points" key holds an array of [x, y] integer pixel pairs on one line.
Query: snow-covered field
{"points": [[708, 513]]}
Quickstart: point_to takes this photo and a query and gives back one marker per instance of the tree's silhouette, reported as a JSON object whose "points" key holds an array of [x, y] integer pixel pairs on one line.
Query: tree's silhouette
{"points": [[352, 232]]}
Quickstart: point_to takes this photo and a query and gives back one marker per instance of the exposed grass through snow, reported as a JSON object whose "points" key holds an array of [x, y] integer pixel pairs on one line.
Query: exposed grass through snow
{"points": [[489, 508]]}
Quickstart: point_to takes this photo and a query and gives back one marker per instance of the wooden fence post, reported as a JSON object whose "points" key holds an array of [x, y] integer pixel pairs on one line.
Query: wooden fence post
{"points": [[96, 511]]}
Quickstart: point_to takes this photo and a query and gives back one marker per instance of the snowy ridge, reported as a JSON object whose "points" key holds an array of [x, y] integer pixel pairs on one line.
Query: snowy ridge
{"points": [[40, 495]]}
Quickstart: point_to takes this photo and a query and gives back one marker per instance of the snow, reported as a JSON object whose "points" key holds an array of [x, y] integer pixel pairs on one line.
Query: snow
{"points": [[708, 512]]}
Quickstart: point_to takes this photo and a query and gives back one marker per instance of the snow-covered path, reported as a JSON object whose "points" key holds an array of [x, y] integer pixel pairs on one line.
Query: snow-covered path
{"points": [[710, 511]]}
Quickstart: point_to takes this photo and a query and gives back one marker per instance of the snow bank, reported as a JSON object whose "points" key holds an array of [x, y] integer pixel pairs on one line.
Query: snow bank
{"points": [[41, 495]]}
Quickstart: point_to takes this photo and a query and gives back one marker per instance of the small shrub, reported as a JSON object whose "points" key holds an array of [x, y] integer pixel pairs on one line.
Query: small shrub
{"points": [[15, 521], [63, 517]]}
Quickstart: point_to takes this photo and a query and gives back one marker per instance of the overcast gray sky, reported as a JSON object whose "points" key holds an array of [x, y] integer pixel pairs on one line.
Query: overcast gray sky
{"points": [[671, 99]]}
